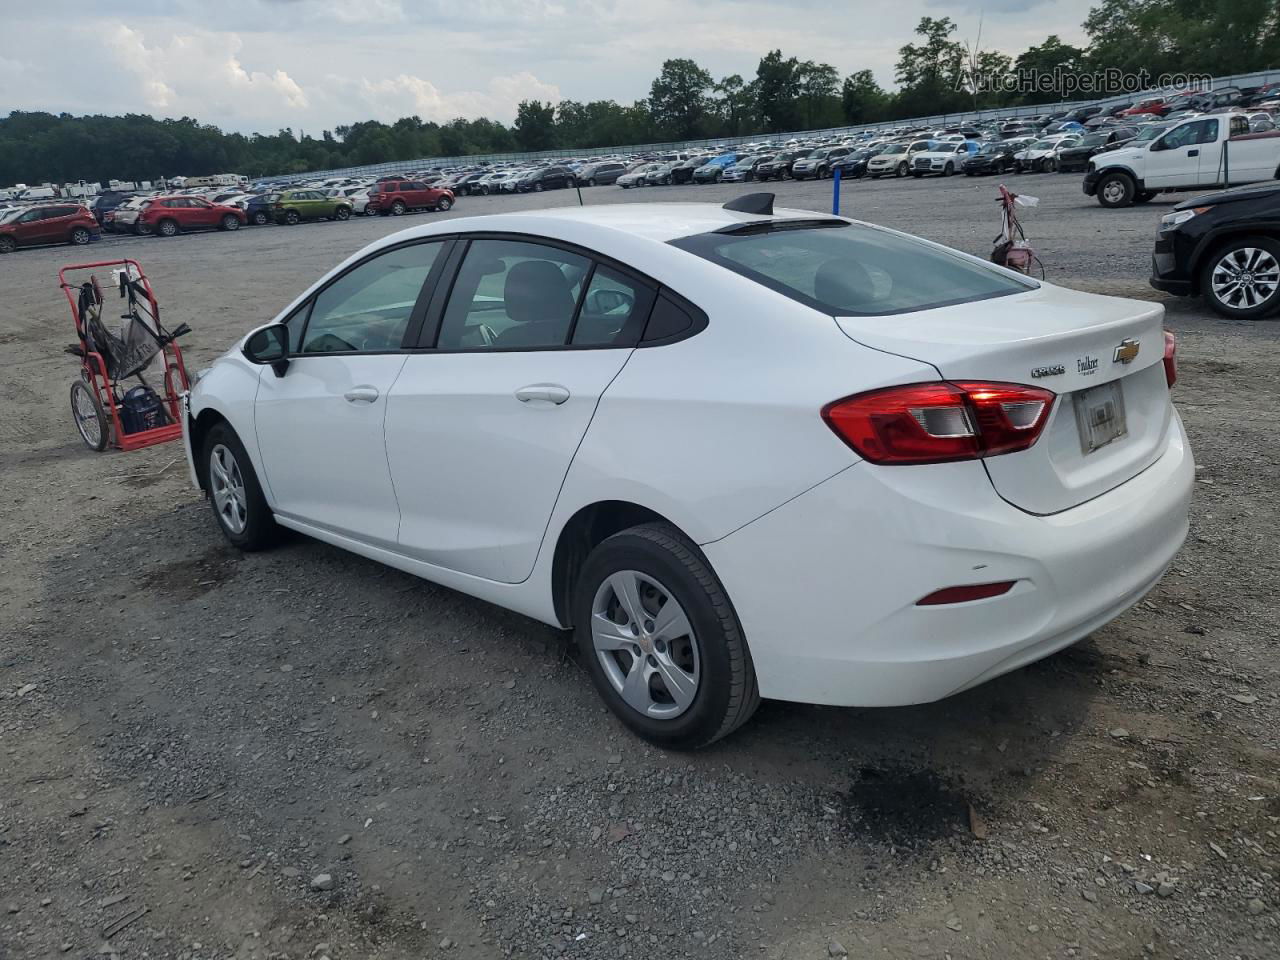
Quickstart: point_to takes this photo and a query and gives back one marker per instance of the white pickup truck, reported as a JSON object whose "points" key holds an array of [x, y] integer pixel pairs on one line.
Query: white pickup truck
{"points": [[1209, 151]]}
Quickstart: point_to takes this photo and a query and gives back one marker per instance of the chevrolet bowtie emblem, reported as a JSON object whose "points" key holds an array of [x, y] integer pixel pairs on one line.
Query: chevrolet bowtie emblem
{"points": [[1127, 350]]}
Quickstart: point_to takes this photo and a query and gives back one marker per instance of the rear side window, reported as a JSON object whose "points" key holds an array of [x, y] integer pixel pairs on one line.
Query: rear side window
{"points": [[853, 270]]}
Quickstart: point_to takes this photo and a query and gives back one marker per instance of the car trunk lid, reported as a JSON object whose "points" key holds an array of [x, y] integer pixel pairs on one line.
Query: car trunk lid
{"points": [[1102, 356]]}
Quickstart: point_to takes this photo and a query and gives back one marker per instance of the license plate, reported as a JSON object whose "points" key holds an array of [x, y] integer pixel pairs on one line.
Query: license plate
{"points": [[1100, 415]]}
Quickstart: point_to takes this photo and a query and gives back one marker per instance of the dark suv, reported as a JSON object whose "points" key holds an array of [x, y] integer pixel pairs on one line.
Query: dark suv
{"points": [[682, 172], [547, 178], [1224, 246], [603, 172], [47, 223]]}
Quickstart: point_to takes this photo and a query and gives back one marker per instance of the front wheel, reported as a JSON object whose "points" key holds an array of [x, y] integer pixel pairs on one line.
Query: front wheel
{"points": [[444, 204], [1116, 190], [1048, 165], [398, 208], [1241, 280], [948, 170], [91, 419], [8, 244], [291, 218], [661, 640], [80, 236], [538, 187], [230, 222], [902, 170], [234, 492], [591, 181], [259, 218]]}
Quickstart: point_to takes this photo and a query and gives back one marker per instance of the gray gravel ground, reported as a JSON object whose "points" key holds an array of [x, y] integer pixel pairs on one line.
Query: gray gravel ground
{"points": [[302, 754]]}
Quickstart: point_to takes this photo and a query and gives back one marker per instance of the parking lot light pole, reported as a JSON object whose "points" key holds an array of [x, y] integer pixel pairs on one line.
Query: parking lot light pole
{"points": [[835, 192]]}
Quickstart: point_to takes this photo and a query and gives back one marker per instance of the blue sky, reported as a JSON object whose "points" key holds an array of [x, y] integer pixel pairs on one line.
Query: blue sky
{"points": [[309, 64]]}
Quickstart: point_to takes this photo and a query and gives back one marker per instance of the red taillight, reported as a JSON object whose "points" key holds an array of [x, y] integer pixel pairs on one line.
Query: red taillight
{"points": [[973, 591], [940, 422], [1170, 358]]}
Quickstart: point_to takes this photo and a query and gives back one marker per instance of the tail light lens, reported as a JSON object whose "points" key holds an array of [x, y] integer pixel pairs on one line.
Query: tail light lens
{"points": [[940, 422], [1170, 358]]}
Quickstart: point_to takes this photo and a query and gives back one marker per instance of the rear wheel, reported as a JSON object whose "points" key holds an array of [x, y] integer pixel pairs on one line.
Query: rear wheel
{"points": [[167, 228], [234, 491], [398, 208], [230, 222], [80, 236], [1241, 280], [291, 218], [661, 640], [91, 419], [8, 244]]}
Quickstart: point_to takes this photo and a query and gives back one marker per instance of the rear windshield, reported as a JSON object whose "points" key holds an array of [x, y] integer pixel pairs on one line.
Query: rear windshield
{"points": [[853, 269]]}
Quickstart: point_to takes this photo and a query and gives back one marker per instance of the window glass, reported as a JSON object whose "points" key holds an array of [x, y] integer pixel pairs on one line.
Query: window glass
{"points": [[511, 294], [668, 319], [368, 308], [854, 270], [613, 311]]}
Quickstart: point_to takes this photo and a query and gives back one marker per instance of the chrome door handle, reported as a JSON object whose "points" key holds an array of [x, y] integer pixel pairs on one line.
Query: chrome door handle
{"points": [[361, 395], [547, 392]]}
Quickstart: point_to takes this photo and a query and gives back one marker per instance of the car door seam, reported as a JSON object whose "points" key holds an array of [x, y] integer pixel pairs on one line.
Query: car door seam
{"points": [[569, 466], [386, 452]]}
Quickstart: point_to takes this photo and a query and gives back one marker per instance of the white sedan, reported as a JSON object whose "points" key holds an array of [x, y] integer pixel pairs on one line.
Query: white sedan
{"points": [[740, 454]]}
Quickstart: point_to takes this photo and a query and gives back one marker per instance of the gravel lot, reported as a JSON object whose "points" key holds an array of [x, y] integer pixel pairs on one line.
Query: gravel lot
{"points": [[302, 754]]}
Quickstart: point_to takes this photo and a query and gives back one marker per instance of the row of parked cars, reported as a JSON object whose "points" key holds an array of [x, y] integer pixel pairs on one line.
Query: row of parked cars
{"points": [[167, 215]]}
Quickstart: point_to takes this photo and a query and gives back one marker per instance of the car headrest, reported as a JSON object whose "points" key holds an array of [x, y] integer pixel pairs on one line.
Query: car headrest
{"points": [[537, 290], [844, 284]]}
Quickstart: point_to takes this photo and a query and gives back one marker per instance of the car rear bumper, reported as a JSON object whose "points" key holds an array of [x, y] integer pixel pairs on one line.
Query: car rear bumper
{"points": [[826, 586]]}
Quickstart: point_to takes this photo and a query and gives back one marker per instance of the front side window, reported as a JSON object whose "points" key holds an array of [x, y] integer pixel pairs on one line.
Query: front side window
{"points": [[853, 270], [367, 309], [511, 294]]}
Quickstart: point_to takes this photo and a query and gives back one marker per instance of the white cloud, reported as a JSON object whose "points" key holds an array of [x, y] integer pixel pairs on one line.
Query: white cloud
{"points": [[405, 94]]}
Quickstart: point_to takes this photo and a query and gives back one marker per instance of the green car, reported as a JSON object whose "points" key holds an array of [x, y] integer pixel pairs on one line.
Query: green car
{"points": [[291, 206]]}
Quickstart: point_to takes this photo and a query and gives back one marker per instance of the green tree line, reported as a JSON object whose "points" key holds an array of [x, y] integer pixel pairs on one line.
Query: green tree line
{"points": [[934, 74]]}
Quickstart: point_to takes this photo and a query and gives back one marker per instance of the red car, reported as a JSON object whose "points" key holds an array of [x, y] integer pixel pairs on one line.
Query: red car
{"points": [[169, 216], [396, 197], [51, 222], [1156, 105]]}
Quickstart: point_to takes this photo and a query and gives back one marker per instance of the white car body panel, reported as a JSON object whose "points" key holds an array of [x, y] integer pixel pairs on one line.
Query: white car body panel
{"points": [[824, 556]]}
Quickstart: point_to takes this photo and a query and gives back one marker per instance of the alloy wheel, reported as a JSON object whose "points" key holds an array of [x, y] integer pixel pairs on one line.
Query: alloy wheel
{"points": [[1245, 278], [226, 486], [645, 644]]}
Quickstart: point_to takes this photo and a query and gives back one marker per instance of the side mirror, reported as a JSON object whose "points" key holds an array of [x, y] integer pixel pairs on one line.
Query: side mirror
{"points": [[270, 345]]}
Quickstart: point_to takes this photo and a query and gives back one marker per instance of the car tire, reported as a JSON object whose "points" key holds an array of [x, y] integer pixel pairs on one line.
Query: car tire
{"points": [[167, 228], [8, 244], [1048, 165], [1253, 255], [1116, 190], [291, 218], [538, 187], [902, 170], [89, 416], [398, 209], [80, 236], [230, 222], [236, 496], [443, 204], [259, 218], [342, 213], [948, 170], [705, 652]]}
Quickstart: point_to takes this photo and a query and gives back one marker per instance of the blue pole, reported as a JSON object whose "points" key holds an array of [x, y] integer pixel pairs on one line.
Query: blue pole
{"points": [[835, 192]]}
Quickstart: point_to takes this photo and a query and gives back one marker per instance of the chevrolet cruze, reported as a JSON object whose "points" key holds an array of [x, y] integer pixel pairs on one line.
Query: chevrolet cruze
{"points": [[740, 453]]}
